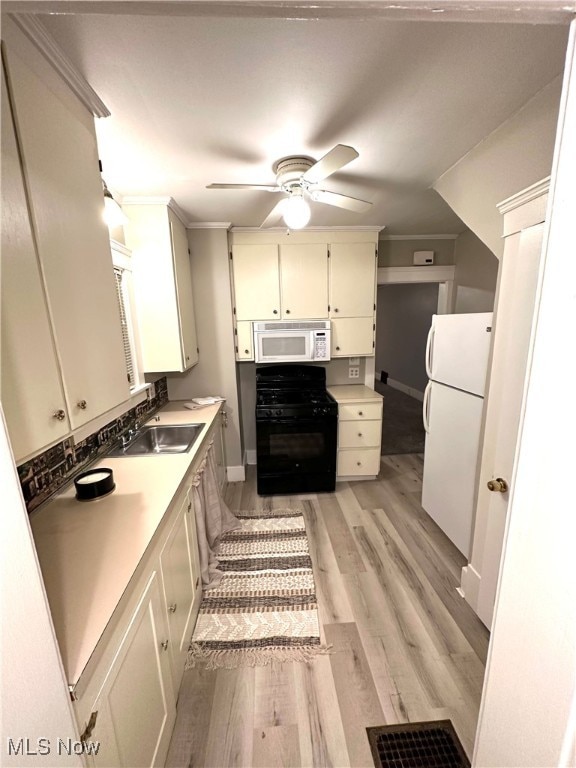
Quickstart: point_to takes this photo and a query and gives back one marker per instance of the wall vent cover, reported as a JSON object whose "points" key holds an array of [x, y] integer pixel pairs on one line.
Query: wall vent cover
{"points": [[433, 744]]}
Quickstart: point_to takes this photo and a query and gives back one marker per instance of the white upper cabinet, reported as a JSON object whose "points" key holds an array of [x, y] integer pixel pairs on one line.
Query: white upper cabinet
{"points": [[31, 387], [162, 286], [304, 281], [70, 303], [286, 282], [256, 276], [352, 279]]}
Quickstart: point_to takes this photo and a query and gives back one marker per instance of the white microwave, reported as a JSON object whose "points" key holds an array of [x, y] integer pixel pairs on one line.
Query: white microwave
{"points": [[292, 341]]}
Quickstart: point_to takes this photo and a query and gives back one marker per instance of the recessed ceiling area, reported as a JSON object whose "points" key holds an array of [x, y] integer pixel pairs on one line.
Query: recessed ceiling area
{"points": [[201, 99]]}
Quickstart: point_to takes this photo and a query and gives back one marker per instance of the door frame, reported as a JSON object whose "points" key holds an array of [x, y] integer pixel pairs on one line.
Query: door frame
{"points": [[444, 276]]}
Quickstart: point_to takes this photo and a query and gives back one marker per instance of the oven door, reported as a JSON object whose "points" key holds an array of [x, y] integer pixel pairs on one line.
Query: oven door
{"points": [[296, 446], [283, 346]]}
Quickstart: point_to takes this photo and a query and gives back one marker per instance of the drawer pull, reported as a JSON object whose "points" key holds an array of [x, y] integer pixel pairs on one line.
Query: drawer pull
{"points": [[359, 463], [82, 404], [59, 415], [359, 434], [164, 645], [360, 413], [189, 508], [172, 608], [246, 351]]}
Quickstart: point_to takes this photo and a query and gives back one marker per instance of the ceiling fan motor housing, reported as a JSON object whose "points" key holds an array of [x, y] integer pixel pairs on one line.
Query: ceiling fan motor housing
{"points": [[289, 172]]}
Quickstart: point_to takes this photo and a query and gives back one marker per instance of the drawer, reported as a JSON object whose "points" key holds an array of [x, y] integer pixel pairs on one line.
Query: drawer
{"points": [[358, 462], [359, 410], [359, 434]]}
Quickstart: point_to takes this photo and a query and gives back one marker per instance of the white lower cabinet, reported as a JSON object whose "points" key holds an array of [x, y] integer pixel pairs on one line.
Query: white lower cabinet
{"points": [[181, 582], [134, 712], [359, 431]]}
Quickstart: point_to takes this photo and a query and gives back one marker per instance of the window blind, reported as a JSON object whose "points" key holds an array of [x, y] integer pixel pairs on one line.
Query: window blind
{"points": [[118, 275]]}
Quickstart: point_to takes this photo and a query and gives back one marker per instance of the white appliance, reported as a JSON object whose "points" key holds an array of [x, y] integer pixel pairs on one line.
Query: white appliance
{"points": [[457, 354], [292, 341]]}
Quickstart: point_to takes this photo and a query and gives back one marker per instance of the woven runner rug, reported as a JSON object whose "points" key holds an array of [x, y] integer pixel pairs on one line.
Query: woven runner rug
{"points": [[264, 608]]}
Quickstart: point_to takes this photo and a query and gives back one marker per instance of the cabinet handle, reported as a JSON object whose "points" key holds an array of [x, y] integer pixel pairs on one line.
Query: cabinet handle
{"points": [[59, 414], [89, 727], [82, 404], [359, 463], [359, 434], [337, 349], [187, 357], [189, 508], [246, 351], [172, 608], [164, 645], [335, 309], [287, 311], [274, 311], [360, 413]]}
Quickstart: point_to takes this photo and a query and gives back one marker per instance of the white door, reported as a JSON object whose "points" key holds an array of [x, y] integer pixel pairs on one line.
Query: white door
{"points": [[458, 350], [452, 419], [518, 280]]}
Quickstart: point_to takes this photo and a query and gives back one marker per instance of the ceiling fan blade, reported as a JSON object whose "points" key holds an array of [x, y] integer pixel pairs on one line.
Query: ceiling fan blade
{"points": [[274, 215], [262, 187], [340, 201], [332, 161]]}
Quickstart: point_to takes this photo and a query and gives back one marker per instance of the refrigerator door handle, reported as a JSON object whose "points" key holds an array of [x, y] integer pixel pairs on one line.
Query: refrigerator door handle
{"points": [[429, 352], [425, 407]]}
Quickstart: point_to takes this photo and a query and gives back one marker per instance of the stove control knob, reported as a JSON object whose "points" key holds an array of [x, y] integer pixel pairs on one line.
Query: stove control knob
{"points": [[278, 412]]}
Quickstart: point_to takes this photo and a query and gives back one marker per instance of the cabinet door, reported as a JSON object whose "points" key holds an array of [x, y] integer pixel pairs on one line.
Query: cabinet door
{"points": [[180, 586], [30, 389], [136, 704], [352, 279], [304, 281], [256, 282], [352, 336], [244, 341], [58, 144], [185, 299]]}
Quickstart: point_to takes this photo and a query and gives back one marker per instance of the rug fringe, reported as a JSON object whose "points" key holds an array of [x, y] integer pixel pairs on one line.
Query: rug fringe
{"points": [[251, 657]]}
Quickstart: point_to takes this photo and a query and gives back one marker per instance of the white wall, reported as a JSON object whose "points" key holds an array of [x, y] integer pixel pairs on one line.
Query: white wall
{"points": [[475, 276], [215, 373], [402, 322], [400, 253], [517, 154], [35, 700]]}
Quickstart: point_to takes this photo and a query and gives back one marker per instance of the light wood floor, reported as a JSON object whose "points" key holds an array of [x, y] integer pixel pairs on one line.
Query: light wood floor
{"points": [[406, 646]]}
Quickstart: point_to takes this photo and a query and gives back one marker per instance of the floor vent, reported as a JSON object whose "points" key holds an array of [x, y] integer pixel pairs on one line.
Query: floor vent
{"points": [[432, 744]]}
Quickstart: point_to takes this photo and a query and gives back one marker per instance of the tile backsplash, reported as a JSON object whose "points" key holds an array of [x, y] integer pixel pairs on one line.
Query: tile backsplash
{"points": [[47, 473]]}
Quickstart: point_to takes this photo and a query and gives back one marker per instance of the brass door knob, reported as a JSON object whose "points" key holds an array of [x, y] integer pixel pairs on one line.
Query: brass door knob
{"points": [[499, 485]]}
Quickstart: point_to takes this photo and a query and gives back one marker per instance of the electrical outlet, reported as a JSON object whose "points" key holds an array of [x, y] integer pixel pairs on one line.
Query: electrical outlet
{"points": [[353, 373]]}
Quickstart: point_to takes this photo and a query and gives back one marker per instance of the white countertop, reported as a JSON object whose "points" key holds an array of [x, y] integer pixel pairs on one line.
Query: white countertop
{"points": [[88, 551], [344, 393]]}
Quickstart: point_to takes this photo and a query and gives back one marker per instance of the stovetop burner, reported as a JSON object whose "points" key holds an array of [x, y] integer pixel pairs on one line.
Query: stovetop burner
{"points": [[292, 391]]}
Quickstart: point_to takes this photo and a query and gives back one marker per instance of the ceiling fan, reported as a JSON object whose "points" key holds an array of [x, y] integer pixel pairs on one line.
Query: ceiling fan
{"points": [[298, 177]]}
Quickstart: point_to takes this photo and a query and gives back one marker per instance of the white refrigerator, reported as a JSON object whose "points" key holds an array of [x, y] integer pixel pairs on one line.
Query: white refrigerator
{"points": [[457, 356]]}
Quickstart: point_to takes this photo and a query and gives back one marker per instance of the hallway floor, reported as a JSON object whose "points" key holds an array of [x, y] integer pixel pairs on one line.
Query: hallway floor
{"points": [[405, 646]]}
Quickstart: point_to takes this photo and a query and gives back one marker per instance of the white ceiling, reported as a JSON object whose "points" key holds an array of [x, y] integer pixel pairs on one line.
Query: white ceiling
{"points": [[201, 99]]}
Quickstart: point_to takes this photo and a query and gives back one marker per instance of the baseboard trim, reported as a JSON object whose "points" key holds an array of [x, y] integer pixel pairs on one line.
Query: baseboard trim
{"points": [[470, 585], [415, 393], [250, 456], [235, 474]]}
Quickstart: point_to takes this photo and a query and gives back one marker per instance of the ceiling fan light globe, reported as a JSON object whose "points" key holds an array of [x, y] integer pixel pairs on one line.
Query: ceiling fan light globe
{"points": [[296, 212]]}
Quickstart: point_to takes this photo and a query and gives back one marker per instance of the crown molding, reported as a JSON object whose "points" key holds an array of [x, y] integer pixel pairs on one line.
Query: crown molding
{"points": [[524, 196], [374, 228], [166, 200], [49, 48], [209, 225], [120, 248], [419, 237]]}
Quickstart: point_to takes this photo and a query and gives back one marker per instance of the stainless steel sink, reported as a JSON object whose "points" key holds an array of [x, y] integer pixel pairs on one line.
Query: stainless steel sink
{"points": [[155, 440]]}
